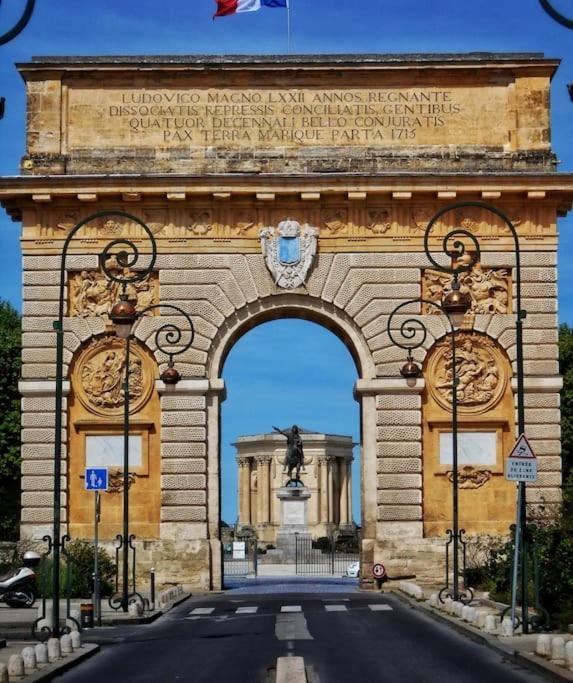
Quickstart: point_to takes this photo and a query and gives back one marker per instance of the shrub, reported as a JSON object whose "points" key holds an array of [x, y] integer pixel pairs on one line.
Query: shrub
{"points": [[81, 554]]}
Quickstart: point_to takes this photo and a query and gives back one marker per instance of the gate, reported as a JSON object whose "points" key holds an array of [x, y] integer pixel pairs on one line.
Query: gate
{"points": [[240, 558], [322, 557]]}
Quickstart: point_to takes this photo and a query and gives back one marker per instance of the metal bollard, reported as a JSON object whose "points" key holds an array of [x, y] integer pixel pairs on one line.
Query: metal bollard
{"points": [[152, 582]]}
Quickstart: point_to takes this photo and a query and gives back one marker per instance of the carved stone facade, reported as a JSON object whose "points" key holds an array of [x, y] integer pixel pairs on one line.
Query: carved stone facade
{"points": [[368, 185], [489, 289], [327, 475]]}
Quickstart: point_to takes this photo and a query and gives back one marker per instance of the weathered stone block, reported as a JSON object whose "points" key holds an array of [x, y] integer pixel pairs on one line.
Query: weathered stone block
{"points": [[183, 513], [183, 482], [183, 418], [184, 466], [399, 513], [389, 465], [398, 417], [183, 450], [183, 434], [399, 481]]}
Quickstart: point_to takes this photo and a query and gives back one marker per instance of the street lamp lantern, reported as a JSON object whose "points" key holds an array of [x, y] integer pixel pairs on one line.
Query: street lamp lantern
{"points": [[123, 315], [456, 304], [410, 370], [170, 376]]}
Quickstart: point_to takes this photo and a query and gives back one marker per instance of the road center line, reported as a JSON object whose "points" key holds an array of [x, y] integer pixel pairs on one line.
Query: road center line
{"points": [[380, 608]]}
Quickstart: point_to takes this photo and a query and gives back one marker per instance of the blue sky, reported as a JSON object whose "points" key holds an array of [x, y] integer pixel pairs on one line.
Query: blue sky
{"points": [[263, 391]]}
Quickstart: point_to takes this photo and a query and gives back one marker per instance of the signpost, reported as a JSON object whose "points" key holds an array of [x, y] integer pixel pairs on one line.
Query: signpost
{"points": [[378, 571], [521, 466], [96, 479], [239, 550]]}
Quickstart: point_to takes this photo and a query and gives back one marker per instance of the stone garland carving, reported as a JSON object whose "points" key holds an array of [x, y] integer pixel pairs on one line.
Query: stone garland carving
{"points": [[489, 289], [469, 477], [481, 371], [200, 224], [91, 293], [335, 221], [100, 375], [379, 221], [115, 481]]}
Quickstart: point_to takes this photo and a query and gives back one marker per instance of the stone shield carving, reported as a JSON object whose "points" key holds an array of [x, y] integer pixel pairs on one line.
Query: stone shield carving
{"points": [[289, 251], [100, 375], [481, 371]]}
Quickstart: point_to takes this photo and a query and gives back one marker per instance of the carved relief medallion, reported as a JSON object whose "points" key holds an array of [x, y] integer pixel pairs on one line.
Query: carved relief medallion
{"points": [[289, 251], [91, 293], [489, 289], [379, 221], [481, 372], [100, 374]]}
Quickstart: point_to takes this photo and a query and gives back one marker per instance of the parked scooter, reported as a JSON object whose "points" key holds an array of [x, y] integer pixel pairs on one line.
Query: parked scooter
{"points": [[18, 586]]}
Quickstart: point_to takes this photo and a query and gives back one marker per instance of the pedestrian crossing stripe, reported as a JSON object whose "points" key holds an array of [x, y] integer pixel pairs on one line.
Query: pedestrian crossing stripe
{"points": [[253, 609]]}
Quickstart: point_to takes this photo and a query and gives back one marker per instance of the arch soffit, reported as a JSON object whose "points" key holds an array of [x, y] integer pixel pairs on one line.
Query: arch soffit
{"points": [[280, 307]]}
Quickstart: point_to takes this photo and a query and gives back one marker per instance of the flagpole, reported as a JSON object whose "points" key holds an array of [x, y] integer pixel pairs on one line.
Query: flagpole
{"points": [[288, 25]]}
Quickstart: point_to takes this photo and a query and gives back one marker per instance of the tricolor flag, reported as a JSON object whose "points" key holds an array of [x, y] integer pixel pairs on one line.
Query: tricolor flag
{"points": [[225, 7]]}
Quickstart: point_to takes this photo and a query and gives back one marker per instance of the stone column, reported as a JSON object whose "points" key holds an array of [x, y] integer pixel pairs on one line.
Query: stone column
{"points": [[323, 462], [244, 490], [330, 474], [349, 489], [343, 492], [263, 486]]}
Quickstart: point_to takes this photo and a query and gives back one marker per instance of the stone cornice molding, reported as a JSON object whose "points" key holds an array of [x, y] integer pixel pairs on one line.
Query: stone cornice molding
{"points": [[193, 387], [387, 385]]}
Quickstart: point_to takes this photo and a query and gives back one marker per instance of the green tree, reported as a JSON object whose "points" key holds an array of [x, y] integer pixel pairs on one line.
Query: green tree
{"points": [[566, 369], [10, 350]]}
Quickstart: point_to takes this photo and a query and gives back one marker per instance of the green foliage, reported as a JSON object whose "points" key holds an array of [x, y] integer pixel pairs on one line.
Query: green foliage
{"points": [[10, 350], [566, 369], [81, 555]]}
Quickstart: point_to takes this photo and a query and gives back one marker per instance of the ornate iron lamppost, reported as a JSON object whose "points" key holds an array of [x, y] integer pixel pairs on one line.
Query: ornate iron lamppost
{"points": [[413, 332], [56, 543], [124, 316], [455, 252]]}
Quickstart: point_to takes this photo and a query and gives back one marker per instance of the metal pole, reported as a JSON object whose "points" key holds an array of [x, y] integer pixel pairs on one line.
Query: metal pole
{"points": [[455, 464], [125, 598], [58, 326], [522, 495], [97, 606], [152, 582], [515, 567], [288, 26]]}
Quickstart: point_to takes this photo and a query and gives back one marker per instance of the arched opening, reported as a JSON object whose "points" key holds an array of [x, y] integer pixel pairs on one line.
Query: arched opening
{"points": [[281, 370]]}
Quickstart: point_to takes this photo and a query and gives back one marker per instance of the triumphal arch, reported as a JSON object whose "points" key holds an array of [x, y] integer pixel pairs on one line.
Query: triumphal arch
{"points": [[288, 187]]}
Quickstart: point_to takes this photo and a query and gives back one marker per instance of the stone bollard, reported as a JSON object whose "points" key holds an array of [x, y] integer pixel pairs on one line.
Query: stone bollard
{"points": [[491, 623], [481, 614], [54, 652], [135, 609], [74, 614], [569, 655], [4, 674], [66, 645], [29, 658], [76, 640], [458, 607], [470, 614], [558, 651], [543, 645], [434, 600], [47, 620], [15, 666], [449, 606], [506, 627], [41, 650], [465, 610]]}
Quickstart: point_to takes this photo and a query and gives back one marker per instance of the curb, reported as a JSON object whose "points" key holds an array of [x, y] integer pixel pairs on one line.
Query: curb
{"points": [[535, 664], [56, 668]]}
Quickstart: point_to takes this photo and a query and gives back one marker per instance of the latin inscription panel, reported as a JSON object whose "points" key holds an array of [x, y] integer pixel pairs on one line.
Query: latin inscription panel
{"points": [[266, 118]]}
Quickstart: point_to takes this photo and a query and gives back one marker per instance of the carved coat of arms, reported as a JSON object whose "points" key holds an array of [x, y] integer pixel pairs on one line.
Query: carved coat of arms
{"points": [[289, 251]]}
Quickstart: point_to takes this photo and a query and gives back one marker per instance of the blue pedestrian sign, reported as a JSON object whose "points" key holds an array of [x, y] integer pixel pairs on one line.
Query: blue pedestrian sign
{"points": [[96, 479]]}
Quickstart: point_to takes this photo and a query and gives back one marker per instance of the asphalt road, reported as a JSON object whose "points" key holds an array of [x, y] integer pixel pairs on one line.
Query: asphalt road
{"points": [[344, 637]]}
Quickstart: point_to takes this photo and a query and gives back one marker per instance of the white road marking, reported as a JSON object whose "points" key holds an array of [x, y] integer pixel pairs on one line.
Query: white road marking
{"points": [[246, 610], [291, 627], [202, 610], [380, 608], [336, 608], [291, 608]]}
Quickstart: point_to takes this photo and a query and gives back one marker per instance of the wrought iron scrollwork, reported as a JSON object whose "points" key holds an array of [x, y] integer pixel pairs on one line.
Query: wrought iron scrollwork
{"points": [[20, 24], [170, 335], [43, 632], [559, 17]]}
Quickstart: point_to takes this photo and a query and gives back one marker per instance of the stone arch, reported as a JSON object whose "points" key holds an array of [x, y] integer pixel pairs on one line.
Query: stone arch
{"points": [[237, 324], [290, 306]]}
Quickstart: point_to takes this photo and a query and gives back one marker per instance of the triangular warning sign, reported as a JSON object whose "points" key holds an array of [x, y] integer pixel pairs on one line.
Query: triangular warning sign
{"points": [[522, 449]]}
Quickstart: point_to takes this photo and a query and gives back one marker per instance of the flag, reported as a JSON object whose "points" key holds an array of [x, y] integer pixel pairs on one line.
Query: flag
{"points": [[225, 7]]}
